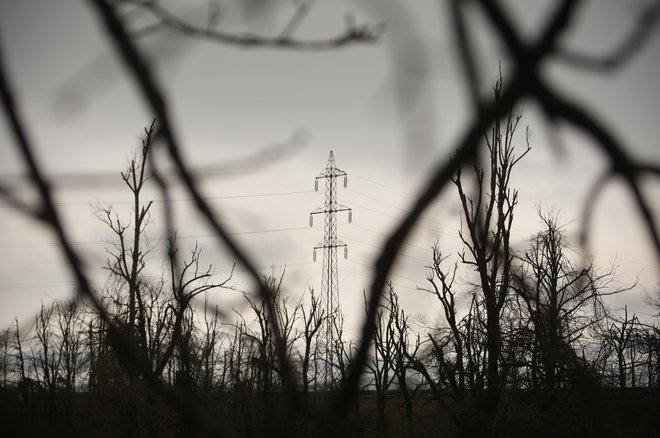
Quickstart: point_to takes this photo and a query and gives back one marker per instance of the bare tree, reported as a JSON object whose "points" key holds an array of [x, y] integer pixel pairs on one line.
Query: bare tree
{"points": [[405, 351], [5, 356], [649, 344], [127, 260], [342, 352], [70, 334], [561, 300], [486, 232], [381, 364], [186, 285], [443, 287], [313, 319], [45, 359], [156, 311], [653, 298], [620, 338], [210, 350]]}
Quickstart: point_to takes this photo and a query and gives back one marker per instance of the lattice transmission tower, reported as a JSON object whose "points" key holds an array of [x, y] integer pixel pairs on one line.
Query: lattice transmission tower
{"points": [[329, 277]]}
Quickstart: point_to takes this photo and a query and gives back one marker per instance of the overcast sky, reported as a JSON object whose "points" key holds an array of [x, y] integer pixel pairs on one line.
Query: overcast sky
{"points": [[389, 110]]}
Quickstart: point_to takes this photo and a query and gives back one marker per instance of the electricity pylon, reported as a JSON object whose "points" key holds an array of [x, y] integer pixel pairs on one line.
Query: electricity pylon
{"points": [[329, 277]]}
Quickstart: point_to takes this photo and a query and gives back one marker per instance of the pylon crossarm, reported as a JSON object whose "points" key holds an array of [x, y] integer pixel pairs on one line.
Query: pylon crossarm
{"points": [[331, 173], [320, 209], [332, 209], [326, 245]]}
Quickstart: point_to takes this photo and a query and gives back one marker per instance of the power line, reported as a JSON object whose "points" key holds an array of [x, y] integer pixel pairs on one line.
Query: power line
{"points": [[390, 274], [101, 281], [371, 277], [446, 257], [424, 218], [162, 201], [258, 195], [102, 242], [103, 175], [457, 210], [382, 248], [398, 218], [407, 194], [412, 245]]}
